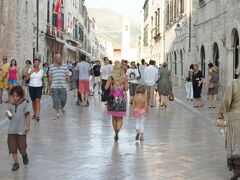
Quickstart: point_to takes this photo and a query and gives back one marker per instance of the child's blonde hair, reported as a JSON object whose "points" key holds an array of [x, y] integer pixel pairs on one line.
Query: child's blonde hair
{"points": [[141, 89]]}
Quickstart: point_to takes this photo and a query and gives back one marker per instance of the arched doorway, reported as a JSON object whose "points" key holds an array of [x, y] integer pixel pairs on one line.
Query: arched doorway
{"points": [[215, 55], [175, 62], [181, 61], [235, 44], [202, 57]]}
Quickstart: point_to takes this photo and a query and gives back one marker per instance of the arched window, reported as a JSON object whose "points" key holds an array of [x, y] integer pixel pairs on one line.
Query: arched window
{"points": [[215, 54], [181, 6], [202, 57], [181, 60], [235, 44]]}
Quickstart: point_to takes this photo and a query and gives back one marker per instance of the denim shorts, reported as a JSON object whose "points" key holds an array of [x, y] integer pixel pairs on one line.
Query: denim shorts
{"points": [[13, 82]]}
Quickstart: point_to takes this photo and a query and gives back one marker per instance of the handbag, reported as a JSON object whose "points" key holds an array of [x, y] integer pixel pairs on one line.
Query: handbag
{"points": [[210, 85], [171, 97], [221, 123]]}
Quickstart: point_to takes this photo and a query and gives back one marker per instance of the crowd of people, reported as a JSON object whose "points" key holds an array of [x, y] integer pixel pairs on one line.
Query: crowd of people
{"points": [[112, 81]]}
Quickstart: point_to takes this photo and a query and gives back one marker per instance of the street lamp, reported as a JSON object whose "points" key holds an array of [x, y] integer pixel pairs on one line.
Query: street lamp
{"points": [[178, 31]]}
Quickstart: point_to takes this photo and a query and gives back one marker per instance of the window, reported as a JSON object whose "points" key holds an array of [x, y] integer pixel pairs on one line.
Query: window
{"points": [[145, 10], [48, 11], [181, 6], [80, 32], [171, 11], [175, 9], [167, 15]]}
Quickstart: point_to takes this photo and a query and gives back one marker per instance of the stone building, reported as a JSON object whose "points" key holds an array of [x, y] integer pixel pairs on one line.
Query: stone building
{"points": [[75, 34], [16, 30], [192, 31]]}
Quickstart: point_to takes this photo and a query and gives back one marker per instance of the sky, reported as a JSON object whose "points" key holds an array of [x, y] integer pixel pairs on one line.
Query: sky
{"points": [[130, 8]]}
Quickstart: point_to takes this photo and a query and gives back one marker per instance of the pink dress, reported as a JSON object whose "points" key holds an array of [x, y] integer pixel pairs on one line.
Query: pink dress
{"points": [[12, 73], [117, 102], [139, 112]]}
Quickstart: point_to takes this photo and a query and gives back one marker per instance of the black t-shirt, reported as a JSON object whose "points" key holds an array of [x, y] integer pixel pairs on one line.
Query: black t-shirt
{"points": [[96, 70]]}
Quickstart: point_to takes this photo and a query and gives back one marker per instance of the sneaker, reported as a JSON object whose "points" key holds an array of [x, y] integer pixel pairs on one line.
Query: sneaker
{"points": [[25, 159], [15, 167], [56, 116], [137, 136]]}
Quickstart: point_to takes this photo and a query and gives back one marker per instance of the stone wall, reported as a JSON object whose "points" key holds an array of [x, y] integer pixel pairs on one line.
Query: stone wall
{"points": [[16, 30]]}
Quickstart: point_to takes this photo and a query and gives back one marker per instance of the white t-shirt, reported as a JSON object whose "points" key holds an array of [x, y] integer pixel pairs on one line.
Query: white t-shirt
{"points": [[150, 75], [36, 78], [132, 73], [106, 71]]}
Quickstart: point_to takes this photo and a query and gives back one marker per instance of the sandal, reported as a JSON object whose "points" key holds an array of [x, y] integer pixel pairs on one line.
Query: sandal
{"points": [[37, 118], [33, 117], [1, 102]]}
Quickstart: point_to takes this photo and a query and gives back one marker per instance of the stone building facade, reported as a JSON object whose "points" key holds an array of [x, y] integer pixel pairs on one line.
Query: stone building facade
{"points": [[16, 30], [193, 31], [69, 32], [76, 35]]}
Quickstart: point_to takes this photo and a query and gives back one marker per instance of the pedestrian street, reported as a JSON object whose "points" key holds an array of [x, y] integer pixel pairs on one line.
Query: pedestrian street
{"points": [[178, 145]]}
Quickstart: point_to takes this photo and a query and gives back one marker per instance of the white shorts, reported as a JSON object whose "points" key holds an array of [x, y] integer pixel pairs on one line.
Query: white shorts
{"points": [[97, 80]]}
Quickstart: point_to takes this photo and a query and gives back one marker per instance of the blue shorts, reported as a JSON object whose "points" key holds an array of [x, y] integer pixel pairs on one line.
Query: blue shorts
{"points": [[35, 93], [13, 82]]}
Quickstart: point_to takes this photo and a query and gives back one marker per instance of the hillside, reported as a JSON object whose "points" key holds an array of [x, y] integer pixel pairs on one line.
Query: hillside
{"points": [[110, 23]]}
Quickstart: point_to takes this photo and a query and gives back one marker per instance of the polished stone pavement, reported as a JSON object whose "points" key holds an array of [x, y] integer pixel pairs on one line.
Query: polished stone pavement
{"points": [[179, 144]]}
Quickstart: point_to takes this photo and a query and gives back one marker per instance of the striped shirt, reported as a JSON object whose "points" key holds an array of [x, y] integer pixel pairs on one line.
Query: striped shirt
{"points": [[59, 74]]}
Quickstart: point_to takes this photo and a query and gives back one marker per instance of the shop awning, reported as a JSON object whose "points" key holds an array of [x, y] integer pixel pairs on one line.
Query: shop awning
{"points": [[61, 40], [70, 47]]}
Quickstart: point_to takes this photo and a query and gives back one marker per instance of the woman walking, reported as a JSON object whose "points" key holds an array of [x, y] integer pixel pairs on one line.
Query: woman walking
{"points": [[13, 74], [189, 85], [45, 79], [116, 105], [231, 107], [197, 80], [25, 81], [75, 79], [35, 87], [213, 86], [164, 85]]}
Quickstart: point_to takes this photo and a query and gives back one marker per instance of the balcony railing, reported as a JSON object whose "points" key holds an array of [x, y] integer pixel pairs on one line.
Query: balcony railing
{"points": [[52, 31]]}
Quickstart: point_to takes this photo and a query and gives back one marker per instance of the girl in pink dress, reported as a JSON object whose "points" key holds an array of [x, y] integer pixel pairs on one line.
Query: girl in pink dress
{"points": [[140, 109]]}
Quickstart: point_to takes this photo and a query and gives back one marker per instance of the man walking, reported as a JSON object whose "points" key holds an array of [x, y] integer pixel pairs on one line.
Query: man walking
{"points": [[96, 76], [84, 69], [3, 78], [105, 73], [58, 74], [150, 79]]}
